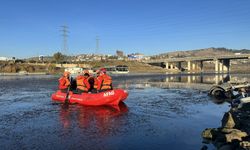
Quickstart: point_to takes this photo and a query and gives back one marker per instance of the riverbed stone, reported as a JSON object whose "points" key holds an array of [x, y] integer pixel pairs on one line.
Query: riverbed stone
{"points": [[209, 133], [225, 130], [245, 144], [228, 121], [235, 135]]}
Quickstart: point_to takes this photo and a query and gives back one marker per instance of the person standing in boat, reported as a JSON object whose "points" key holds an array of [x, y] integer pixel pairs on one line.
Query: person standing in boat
{"points": [[64, 82], [82, 82], [104, 81]]}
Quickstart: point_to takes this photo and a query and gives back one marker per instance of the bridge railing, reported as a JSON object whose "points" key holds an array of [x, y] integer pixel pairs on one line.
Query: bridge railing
{"points": [[204, 58]]}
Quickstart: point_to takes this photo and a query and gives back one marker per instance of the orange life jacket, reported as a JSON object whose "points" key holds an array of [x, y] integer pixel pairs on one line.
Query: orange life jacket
{"points": [[106, 82], [64, 83], [82, 83]]}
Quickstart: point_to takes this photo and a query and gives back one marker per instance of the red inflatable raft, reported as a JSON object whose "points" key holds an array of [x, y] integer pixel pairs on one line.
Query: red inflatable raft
{"points": [[112, 97]]}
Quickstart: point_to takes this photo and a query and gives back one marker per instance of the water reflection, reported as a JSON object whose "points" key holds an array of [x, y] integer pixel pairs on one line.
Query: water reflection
{"points": [[206, 79], [198, 81], [99, 118]]}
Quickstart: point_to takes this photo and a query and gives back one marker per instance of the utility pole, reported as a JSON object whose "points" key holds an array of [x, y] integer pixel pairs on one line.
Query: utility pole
{"points": [[65, 32], [97, 45]]}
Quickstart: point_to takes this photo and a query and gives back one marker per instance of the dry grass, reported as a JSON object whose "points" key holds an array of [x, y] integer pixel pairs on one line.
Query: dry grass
{"points": [[134, 66]]}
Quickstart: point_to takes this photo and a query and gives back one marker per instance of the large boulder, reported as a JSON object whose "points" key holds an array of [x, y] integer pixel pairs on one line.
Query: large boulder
{"points": [[235, 135], [228, 121], [209, 133]]}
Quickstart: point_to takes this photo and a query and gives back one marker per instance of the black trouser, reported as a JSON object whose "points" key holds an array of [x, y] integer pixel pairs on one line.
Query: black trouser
{"points": [[103, 90], [79, 91], [93, 91], [64, 90]]}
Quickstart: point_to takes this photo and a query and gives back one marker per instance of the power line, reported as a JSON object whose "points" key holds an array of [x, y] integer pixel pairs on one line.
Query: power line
{"points": [[65, 40]]}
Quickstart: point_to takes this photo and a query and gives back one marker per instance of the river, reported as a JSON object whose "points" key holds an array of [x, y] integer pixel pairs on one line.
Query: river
{"points": [[161, 112]]}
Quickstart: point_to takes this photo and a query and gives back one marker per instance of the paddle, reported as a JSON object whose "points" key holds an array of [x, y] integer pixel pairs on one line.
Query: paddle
{"points": [[66, 101]]}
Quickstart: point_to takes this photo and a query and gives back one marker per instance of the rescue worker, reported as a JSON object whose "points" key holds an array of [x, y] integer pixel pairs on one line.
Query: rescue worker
{"points": [[64, 82], [82, 82], [104, 81], [94, 82]]}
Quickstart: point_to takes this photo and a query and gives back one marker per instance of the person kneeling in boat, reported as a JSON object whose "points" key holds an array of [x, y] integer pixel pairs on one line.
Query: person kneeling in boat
{"points": [[64, 82], [94, 82], [82, 82], [104, 81]]}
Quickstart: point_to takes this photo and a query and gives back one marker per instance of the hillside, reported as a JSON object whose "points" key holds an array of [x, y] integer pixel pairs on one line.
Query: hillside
{"points": [[202, 52], [134, 66], [10, 67]]}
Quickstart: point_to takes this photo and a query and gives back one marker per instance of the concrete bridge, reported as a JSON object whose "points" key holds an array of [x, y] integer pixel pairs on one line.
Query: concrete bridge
{"points": [[222, 63]]}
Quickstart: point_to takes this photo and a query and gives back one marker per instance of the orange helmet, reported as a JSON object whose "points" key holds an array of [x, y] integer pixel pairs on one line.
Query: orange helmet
{"points": [[66, 73]]}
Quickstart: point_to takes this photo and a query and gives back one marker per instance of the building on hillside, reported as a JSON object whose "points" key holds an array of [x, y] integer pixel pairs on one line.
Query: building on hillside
{"points": [[119, 53], [3, 59], [41, 57], [90, 57], [6, 58], [146, 58], [135, 56]]}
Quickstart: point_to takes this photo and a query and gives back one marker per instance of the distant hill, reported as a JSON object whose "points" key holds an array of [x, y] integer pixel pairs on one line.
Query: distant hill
{"points": [[202, 52]]}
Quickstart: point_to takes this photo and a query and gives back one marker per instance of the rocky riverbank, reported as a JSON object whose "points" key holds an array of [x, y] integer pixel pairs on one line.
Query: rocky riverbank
{"points": [[10, 68], [234, 133]]}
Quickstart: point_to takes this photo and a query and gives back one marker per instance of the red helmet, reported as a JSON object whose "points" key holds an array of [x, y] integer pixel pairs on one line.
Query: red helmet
{"points": [[103, 70]]}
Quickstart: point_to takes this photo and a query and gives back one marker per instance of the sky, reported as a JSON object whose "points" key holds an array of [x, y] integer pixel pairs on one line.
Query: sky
{"points": [[34, 27]]}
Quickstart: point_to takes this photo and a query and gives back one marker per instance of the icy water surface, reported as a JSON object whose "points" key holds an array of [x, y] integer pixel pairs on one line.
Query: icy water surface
{"points": [[154, 116]]}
